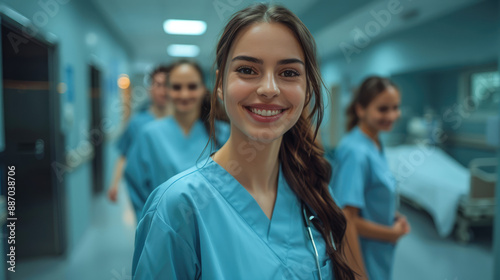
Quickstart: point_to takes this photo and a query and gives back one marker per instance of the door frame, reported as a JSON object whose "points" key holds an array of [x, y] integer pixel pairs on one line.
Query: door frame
{"points": [[94, 64], [17, 21]]}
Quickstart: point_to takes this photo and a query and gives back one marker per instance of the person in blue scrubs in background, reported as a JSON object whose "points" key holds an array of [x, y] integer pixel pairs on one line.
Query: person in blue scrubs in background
{"points": [[173, 144], [362, 183], [242, 213], [157, 109]]}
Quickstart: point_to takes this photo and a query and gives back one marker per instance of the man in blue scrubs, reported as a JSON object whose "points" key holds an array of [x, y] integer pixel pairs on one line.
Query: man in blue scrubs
{"points": [[157, 109]]}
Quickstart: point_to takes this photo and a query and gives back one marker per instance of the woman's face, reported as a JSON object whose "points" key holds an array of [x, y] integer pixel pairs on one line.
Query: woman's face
{"points": [[383, 111], [264, 86], [186, 89]]}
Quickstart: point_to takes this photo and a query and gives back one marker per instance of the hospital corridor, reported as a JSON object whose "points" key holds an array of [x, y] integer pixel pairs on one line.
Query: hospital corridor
{"points": [[241, 139]]}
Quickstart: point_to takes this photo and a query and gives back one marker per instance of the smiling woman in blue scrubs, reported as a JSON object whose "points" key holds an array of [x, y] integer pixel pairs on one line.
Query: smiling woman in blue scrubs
{"points": [[362, 183], [157, 110], [259, 208], [173, 144]]}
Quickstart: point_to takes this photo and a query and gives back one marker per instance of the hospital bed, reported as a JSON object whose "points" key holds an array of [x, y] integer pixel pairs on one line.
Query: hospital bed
{"points": [[454, 196]]}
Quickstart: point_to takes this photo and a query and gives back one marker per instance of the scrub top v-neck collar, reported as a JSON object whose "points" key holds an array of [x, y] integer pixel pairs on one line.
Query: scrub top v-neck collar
{"points": [[151, 114], [197, 125], [380, 149], [274, 232]]}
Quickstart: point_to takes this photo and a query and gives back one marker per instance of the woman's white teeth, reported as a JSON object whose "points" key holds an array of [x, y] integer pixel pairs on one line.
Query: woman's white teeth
{"points": [[265, 113]]}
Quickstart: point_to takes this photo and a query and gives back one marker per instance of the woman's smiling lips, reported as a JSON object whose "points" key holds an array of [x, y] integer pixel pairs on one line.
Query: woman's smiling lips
{"points": [[265, 112]]}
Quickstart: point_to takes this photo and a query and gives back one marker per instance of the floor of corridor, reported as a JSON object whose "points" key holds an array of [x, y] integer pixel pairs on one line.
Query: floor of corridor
{"points": [[104, 252]]}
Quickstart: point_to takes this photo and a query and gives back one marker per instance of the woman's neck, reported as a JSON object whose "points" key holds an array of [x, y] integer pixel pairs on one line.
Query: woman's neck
{"points": [[254, 164], [158, 112], [371, 133], [186, 120]]}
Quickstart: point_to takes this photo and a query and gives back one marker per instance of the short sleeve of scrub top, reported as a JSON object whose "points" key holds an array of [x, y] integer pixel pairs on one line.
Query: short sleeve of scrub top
{"points": [[350, 171], [135, 124]]}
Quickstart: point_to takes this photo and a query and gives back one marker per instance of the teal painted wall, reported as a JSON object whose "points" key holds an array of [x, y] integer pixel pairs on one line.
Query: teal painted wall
{"points": [[84, 37]]}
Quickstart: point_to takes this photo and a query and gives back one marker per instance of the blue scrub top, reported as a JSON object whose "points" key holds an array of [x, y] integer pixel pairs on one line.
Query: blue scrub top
{"points": [[361, 178], [135, 124], [203, 224], [161, 151]]}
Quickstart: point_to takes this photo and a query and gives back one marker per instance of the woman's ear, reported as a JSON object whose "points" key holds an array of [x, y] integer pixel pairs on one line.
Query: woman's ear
{"points": [[219, 87], [360, 111]]}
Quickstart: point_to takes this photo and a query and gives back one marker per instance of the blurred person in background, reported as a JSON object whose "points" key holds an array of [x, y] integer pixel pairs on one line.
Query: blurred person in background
{"points": [[362, 183], [157, 109], [171, 145]]}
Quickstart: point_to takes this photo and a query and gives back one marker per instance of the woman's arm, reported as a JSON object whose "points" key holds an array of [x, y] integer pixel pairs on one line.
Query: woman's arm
{"points": [[376, 231], [353, 249]]}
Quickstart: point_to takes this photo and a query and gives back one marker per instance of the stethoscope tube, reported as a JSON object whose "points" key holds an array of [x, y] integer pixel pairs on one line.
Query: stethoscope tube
{"points": [[307, 224], [307, 221]]}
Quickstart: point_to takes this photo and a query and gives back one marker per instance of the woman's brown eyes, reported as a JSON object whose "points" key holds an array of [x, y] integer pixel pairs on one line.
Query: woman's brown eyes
{"points": [[245, 70], [250, 71], [290, 73]]}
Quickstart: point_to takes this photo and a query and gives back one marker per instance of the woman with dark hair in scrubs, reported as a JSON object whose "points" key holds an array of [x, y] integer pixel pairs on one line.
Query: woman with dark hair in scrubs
{"points": [[157, 110], [173, 144], [362, 183], [260, 207]]}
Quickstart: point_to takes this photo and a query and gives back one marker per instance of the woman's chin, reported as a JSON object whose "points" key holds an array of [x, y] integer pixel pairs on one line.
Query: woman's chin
{"points": [[263, 136], [184, 109], [385, 128]]}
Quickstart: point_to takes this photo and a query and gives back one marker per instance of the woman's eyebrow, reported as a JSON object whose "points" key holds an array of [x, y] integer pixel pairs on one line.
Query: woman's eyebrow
{"points": [[248, 58], [260, 61], [290, 61]]}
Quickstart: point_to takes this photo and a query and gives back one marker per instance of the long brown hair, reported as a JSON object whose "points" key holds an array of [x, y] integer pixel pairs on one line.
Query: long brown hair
{"points": [[304, 167], [364, 95], [206, 102]]}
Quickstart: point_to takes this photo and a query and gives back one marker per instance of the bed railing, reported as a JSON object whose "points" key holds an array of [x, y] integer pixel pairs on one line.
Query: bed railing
{"points": [[483, 182]]}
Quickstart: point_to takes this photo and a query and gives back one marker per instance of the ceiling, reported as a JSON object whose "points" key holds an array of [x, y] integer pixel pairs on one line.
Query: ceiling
{"points": [[140, 23]]}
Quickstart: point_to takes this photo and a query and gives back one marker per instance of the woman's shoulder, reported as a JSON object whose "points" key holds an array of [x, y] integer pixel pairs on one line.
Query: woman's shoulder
{"points": [[180, 187], [179, 197], [352, 146], [140, 119], [158, 125], [141, 115]]}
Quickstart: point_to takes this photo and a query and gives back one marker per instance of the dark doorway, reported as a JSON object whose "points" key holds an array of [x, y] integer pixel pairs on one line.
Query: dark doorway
{"points": [[96, 132], [33, 141]]}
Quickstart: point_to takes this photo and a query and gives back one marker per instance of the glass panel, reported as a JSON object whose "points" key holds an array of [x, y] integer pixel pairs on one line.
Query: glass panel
{"points": [[485, 90]]}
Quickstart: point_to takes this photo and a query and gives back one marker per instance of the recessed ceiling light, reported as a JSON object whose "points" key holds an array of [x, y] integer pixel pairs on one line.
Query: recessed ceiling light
{"points": [[184, 27], [183, 50]]}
